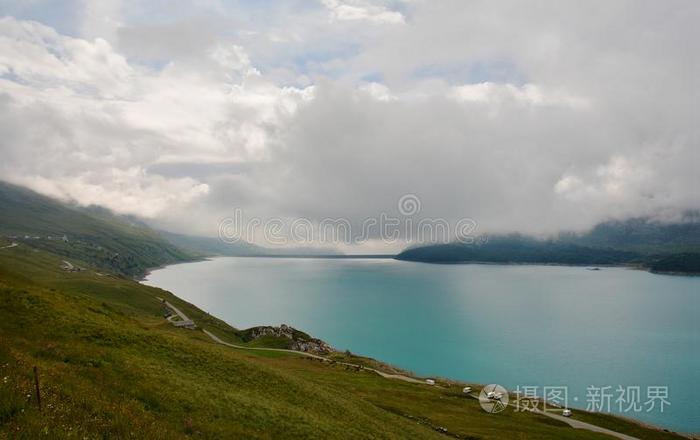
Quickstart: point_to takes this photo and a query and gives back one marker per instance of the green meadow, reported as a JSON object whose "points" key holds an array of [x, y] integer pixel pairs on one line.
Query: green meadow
{"points": [[110, 366]]}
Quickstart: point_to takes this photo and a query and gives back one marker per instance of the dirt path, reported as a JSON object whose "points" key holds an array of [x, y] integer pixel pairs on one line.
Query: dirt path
{"points": [[10, 245], [314, 356], [243, 347], [576, 424], [184, 320]]}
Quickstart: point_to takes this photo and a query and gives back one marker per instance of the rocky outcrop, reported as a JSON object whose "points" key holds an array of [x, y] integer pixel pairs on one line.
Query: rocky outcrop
{"points": [[296, 339]]}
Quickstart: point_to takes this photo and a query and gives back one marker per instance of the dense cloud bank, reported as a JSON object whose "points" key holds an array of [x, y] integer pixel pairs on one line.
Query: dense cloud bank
{"points": [[532, 117]]}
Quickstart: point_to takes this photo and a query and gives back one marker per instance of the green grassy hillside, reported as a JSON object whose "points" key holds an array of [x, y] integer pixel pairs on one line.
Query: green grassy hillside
{"points": [[111, 367], [95, 235]]}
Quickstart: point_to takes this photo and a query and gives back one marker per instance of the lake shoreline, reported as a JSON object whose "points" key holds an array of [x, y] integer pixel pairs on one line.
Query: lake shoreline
{"points": [[436, 262], [376, 354]]}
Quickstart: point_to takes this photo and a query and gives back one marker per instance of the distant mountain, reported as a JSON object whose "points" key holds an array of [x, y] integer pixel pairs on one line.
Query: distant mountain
{"points": [[94, 235], [658, 246], [517, 249], [676, 263], [643, 235], [119, 243], [210, 246]]}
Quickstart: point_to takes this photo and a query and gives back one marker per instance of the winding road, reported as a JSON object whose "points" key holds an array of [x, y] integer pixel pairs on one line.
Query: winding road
{"points": [[314, 356], [218, 340], [184, 320], [576, 424]]}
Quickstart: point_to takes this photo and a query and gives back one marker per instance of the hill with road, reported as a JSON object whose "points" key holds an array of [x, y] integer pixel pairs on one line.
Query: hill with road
{"points": [[120, 244], [123, 244], [110, 365], [86, 352]]}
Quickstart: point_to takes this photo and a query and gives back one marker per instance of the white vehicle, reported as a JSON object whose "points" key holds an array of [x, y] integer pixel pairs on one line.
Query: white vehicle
{"points": [[467, 390], [430, 381], [493, 395], [566, 412]]}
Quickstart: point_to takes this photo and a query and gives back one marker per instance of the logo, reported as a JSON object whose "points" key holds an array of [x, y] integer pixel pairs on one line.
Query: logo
{"points": [[493, 398], [409, 204]]}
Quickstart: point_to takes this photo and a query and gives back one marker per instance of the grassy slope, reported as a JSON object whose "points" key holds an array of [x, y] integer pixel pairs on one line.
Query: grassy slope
{"points": [[114, 243], [112, 368]]}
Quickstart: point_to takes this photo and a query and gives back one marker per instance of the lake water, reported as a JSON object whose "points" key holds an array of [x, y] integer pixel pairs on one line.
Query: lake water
{"points": [[511, 325]]}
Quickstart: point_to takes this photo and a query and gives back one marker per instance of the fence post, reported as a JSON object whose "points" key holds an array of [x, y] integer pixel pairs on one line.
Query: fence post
{"points": [[36, 386]]}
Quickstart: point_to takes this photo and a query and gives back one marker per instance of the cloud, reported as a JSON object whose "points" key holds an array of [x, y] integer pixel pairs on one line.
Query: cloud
{"points": [[80, 121], [525, 117], [129, 191], [100, 19], [528, 94], [43, 58], [362, 10]]}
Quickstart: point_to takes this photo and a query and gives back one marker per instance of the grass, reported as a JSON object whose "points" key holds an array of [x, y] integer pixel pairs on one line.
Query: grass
{"points": [[116, 243], [111, 367]]}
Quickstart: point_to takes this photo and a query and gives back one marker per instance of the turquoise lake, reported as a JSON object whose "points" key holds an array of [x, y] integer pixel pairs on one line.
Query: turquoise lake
{"points": [[506, 324]]}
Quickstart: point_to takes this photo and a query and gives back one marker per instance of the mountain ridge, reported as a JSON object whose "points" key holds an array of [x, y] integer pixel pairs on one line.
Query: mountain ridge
{"points": [[124, 244], [93, 234], [639, 242]]}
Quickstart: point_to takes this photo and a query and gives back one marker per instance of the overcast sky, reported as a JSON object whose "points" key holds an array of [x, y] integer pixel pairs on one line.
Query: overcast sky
{"points": [[532, 116]]}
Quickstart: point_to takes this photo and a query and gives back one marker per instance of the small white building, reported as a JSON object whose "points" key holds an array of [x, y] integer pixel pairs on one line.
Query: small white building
{"points": [[467, 390], [185, 324], [566, 412], [429, 381]]}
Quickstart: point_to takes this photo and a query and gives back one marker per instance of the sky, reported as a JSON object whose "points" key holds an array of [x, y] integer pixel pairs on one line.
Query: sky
{"points": [[536, 116]]}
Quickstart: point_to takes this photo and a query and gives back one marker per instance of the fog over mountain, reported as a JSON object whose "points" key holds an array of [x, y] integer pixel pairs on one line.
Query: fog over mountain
{"points": [[524, 116]]}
